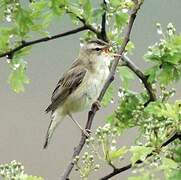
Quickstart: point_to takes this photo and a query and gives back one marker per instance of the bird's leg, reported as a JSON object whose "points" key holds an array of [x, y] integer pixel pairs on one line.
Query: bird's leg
{"points": [[85, 132]]}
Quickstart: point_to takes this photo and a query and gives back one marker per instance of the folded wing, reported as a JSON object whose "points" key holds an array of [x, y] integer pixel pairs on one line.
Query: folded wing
{"points": [[66, 85]]}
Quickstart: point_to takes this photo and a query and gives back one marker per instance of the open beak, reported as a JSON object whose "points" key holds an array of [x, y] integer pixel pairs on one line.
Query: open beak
{"points": [[115, 55], [107, 51]]}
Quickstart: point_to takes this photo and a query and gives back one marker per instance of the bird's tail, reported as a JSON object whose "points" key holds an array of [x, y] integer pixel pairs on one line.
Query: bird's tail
{"points": [[55, 121]]}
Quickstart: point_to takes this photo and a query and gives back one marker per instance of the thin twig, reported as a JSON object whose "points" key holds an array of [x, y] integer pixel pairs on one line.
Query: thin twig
{"points": [[103, 23], [94, 108], [175, 135], [81, 19], [85, 26], [129, 166], [84, 22], [112, 165], [138, 72], [29, 43]]}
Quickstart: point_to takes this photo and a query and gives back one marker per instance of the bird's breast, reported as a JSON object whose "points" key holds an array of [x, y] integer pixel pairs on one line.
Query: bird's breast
{"points": [[95, 81], [88, 91]]}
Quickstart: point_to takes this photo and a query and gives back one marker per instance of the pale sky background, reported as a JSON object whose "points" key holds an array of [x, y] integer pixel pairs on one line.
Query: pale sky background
{"points": [[23, 121]]}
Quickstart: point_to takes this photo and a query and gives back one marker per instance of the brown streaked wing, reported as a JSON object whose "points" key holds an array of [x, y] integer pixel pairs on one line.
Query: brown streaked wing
{"points": [[69, 83]]}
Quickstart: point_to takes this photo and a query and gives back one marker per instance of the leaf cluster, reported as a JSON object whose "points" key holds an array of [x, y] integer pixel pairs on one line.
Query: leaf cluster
{"points": [[166, 56], [15, 171]]}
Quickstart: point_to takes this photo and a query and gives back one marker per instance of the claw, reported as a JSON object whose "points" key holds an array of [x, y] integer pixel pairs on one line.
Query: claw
{"points": [[97, 104], [88, 130], [85, 132]]}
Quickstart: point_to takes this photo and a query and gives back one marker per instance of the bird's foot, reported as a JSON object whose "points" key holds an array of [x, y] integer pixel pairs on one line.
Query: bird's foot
{"points": [[97, 104], [89, 131], [86, 132]]}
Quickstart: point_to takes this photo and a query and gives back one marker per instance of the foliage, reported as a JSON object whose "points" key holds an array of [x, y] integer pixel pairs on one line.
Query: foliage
{"points": [[140, 153], [17, 77], [15, 171], [125, 76], [108, 96], [103, 148], [166, 55]]}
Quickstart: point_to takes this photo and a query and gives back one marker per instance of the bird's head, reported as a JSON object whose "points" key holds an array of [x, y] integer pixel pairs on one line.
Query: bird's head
{"points": [[95, 47], [95, 52]]}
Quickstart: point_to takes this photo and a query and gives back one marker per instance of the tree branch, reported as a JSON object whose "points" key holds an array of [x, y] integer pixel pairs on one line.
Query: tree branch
{"points": [[84, 22], [94, 108], [116, 171], [138, 72], [103, 23], [85, 26], [29, 43], [78, 149], [175, 135]]}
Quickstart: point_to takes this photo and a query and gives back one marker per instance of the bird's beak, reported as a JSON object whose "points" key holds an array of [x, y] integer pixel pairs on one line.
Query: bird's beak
{"points": [[107, 50], [115, 55]]}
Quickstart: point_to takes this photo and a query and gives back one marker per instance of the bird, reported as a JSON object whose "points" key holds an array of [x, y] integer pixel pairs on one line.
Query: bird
{"points": [[80, 85]]}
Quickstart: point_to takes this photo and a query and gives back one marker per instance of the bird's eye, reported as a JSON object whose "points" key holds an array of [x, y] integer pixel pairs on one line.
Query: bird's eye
{"points": [[97, 49]]}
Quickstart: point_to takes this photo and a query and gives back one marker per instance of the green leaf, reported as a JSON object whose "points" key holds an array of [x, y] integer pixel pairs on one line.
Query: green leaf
{"points": [[34, 178], [98, 13], [58, 6], [130, 46], [152, 73], [108, 97], [15, 170], [17, 77], [123, 117], [4, 39], [6, 33], [47, 18], [74, 11], [153, 107], [175, 175], [117, 153], [166, 55], [166, 110], [23, 21], [168, 164], [140, 153], [87, 7], [41, 12], [115, 3], [121, 19], [145, 176], [177, 153], [166, 75], [125, 75]]}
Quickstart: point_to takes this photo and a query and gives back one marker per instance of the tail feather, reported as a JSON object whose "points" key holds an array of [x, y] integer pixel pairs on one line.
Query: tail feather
{"points": [[48, 109], [47, 138], [55, 121]]}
